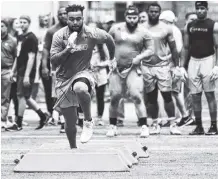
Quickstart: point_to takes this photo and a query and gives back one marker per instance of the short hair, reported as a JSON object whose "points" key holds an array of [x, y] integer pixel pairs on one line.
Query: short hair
{"points": [[5, 22], [154, 4], [75, 8], [188, 14]]}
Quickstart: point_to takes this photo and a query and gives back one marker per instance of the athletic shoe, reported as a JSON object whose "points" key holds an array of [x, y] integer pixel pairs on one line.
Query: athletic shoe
{"points": [[197, 131], [185, 121], [87, 131], [193, 123], [99, 121], [212, 130], [155, 129], [43, 121], [25, 123], [174, 130], [144, 131], [14, 128], [112, 131], [62, 130], [120, 123]]}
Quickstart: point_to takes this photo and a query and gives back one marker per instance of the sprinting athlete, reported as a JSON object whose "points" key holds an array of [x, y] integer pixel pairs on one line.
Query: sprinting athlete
{"points": [[201, 43], [133, 43], [71, 52]]}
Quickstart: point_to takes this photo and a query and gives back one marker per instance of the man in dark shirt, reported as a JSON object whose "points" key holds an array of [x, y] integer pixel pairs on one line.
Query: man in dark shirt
{"points": [[26, 69], [201, 43], [8, 55], [46, 67]]}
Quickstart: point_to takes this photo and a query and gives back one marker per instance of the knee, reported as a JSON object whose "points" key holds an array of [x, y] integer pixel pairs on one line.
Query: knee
{"points": [[80, 87], [136, 99], [167, 96], [115, 100]]}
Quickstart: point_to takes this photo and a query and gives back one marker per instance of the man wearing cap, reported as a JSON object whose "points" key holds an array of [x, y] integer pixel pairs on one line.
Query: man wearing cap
{"points": [[8, 64], [133, 43], [156, 69], [26, 69], [201, 43], [169, 18]]}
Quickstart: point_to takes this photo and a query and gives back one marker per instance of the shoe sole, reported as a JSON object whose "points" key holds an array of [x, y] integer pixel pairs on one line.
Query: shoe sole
{"points": [[211, 134], [198, 134]]}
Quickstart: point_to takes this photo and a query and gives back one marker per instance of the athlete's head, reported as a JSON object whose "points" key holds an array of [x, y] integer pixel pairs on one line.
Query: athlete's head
{"points": [[143, 17], [75, 17], [62, 16], [24, 23], [132, 17], [4, 28], [189, 17], [201, 9], [154, 10], [168, 17]]}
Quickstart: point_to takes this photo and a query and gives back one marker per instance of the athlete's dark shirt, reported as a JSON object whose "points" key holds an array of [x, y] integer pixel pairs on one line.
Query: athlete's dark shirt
{"points": [[29, 43], [201, 38]]}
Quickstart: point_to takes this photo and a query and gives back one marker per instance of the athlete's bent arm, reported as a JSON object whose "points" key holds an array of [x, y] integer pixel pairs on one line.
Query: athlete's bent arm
{"points": [[57, 51], [185, 49], [111, 46], [173, 49], [215, 39], [147, 51]]}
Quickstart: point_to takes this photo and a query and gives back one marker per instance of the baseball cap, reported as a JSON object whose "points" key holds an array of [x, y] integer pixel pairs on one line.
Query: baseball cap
{"points": [[168, 16]]}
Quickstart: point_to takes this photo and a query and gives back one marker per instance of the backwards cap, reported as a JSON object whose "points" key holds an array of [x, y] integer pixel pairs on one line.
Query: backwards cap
{"points": [[132, 10], [201, 3]]}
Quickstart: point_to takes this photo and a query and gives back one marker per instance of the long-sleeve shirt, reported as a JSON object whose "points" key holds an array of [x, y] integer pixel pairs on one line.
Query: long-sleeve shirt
{"points": [[78, 59]]}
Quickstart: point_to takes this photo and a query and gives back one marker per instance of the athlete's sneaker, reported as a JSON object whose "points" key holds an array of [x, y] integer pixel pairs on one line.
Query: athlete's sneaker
{"points": [[155, 129], [174, 130], [185, 121], [62, 130], [199, 130], [120, 123], [112, 131], [14, 128], [25, 123], [212, 130], [87, 131], [99, 121], [43, 121], [144, 131]]}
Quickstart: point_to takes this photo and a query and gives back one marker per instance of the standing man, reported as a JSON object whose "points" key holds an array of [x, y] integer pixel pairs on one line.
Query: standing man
{"points": [[156, 69], [133, 43], [26, 70], [46, 72], [8, 56], [201, 42], [71, 52]]}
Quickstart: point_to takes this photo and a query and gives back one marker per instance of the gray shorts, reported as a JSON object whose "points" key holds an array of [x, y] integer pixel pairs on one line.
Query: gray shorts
{"points": [[199, 74], [66, 97]]}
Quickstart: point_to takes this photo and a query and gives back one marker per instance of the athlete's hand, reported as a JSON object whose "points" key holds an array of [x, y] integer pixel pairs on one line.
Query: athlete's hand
{"points": [[12, 77], [45, 72], [136, 61], [113, 64], [184, 75], [26, 81], [71, 40], [214, 73]]}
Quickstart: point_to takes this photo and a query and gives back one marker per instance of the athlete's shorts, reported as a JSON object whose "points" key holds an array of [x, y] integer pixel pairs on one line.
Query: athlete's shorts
{"points": [[157, 75], [126, 86], [199, 74], [23, 91], [66, 97]]}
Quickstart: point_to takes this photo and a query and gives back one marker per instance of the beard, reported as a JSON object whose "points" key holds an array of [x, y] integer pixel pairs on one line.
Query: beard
{"points": [[76, 29], [130, 27], [153, 21]]}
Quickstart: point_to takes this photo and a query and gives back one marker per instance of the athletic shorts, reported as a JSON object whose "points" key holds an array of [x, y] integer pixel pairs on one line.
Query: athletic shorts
{"points": [[199, 74], [126, 86], [23, 91], [160, 75], [66, 97]]}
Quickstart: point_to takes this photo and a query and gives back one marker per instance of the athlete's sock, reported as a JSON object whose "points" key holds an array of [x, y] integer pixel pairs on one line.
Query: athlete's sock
{"points": [[213, 116], [40, 113], [113, 121], [142, 121], [19, 121]]}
